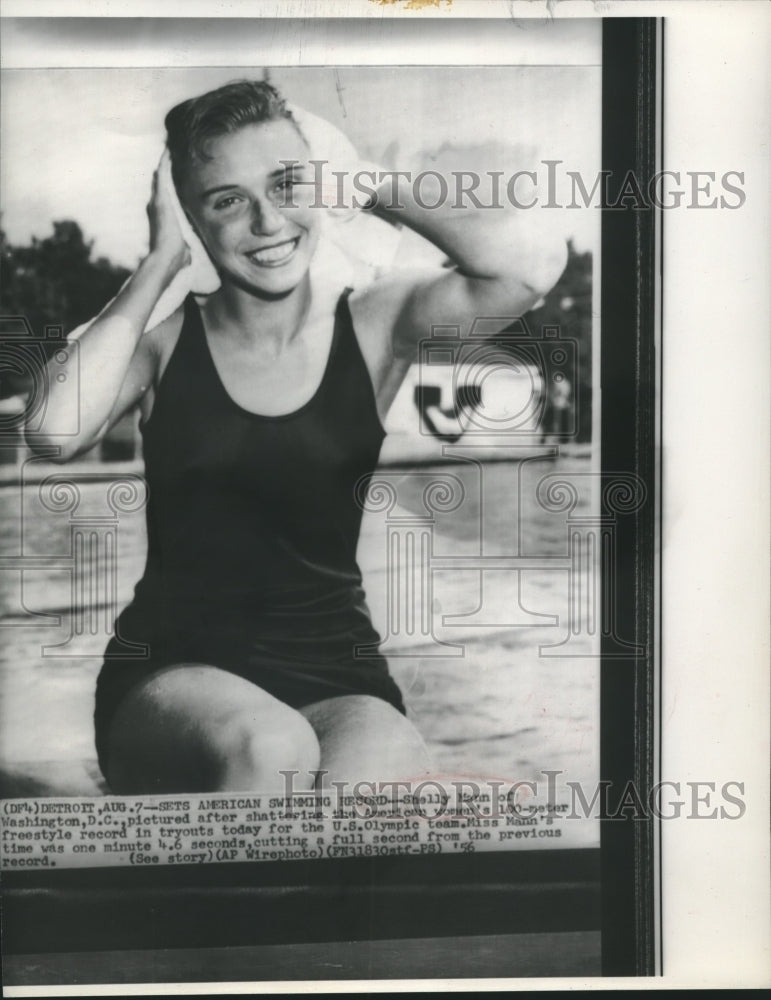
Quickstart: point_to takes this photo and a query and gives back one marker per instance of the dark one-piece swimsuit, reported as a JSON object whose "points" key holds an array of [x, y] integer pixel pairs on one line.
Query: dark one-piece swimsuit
{"points": [[253, 523]]}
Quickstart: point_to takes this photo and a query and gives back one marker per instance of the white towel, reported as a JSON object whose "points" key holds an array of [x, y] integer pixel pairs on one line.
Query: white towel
{"points": [[353, 246]]}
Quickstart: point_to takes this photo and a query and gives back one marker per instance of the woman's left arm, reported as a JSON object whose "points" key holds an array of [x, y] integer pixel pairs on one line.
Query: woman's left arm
{"points": [[505, 259]]}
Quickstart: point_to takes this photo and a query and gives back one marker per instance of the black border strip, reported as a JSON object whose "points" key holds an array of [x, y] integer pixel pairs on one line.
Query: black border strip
{"points": [[629, 446]]}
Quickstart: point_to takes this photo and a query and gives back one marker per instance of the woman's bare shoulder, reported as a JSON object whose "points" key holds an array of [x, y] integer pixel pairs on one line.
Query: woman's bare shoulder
{"points": [[377, 306], [376, 311]]}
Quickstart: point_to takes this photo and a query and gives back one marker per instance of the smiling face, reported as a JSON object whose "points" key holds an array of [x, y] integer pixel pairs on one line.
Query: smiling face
{"points": [[253, 213]]}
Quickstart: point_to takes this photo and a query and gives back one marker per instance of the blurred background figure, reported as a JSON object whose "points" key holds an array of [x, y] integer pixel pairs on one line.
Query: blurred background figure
{"points": [[556, 423]]}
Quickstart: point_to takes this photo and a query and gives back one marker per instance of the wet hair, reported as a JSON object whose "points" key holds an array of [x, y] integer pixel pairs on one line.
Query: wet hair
{"points": [[192, 124]]}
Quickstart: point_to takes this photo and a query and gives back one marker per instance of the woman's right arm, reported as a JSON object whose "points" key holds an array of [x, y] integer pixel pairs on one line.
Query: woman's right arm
{"points": [[114, 364]]}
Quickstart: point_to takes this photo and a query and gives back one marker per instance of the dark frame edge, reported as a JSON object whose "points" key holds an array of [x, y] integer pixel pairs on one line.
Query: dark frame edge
{"points": [[628, 381]]}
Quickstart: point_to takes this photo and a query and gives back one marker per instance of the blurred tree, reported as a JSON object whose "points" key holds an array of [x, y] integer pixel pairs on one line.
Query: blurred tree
{"points": [[53, 282]]}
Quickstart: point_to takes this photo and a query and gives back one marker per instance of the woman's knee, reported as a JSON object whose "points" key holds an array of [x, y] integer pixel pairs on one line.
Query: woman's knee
{"points": [[402, 753], [195, 728], [265, 754], [364, 738]]}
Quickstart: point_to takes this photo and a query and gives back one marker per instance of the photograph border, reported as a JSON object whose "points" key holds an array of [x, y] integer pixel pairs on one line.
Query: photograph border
{"points": [[628, 382], [609, 889]]}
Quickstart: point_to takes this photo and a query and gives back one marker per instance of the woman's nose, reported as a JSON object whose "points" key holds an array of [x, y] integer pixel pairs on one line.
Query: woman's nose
{"points": [[266, 219]]}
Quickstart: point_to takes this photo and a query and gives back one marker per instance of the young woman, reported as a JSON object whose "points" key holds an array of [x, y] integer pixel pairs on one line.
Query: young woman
{"points": [[261, 411]]}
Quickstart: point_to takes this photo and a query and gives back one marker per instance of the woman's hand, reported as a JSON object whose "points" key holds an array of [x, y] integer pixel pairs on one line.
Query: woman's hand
{"points": [[167, 243]]}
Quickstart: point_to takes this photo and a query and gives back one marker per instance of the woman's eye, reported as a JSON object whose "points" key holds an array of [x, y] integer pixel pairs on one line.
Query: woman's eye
{"points": [[226, 202]]}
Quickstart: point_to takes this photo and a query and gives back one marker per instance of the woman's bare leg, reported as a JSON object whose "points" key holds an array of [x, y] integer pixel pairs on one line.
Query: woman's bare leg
{"points": [[194, 728], [365, 739]]}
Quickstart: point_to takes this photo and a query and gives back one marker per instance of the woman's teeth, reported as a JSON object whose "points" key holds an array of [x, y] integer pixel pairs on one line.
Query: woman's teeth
{"points": [[271, 256]]}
